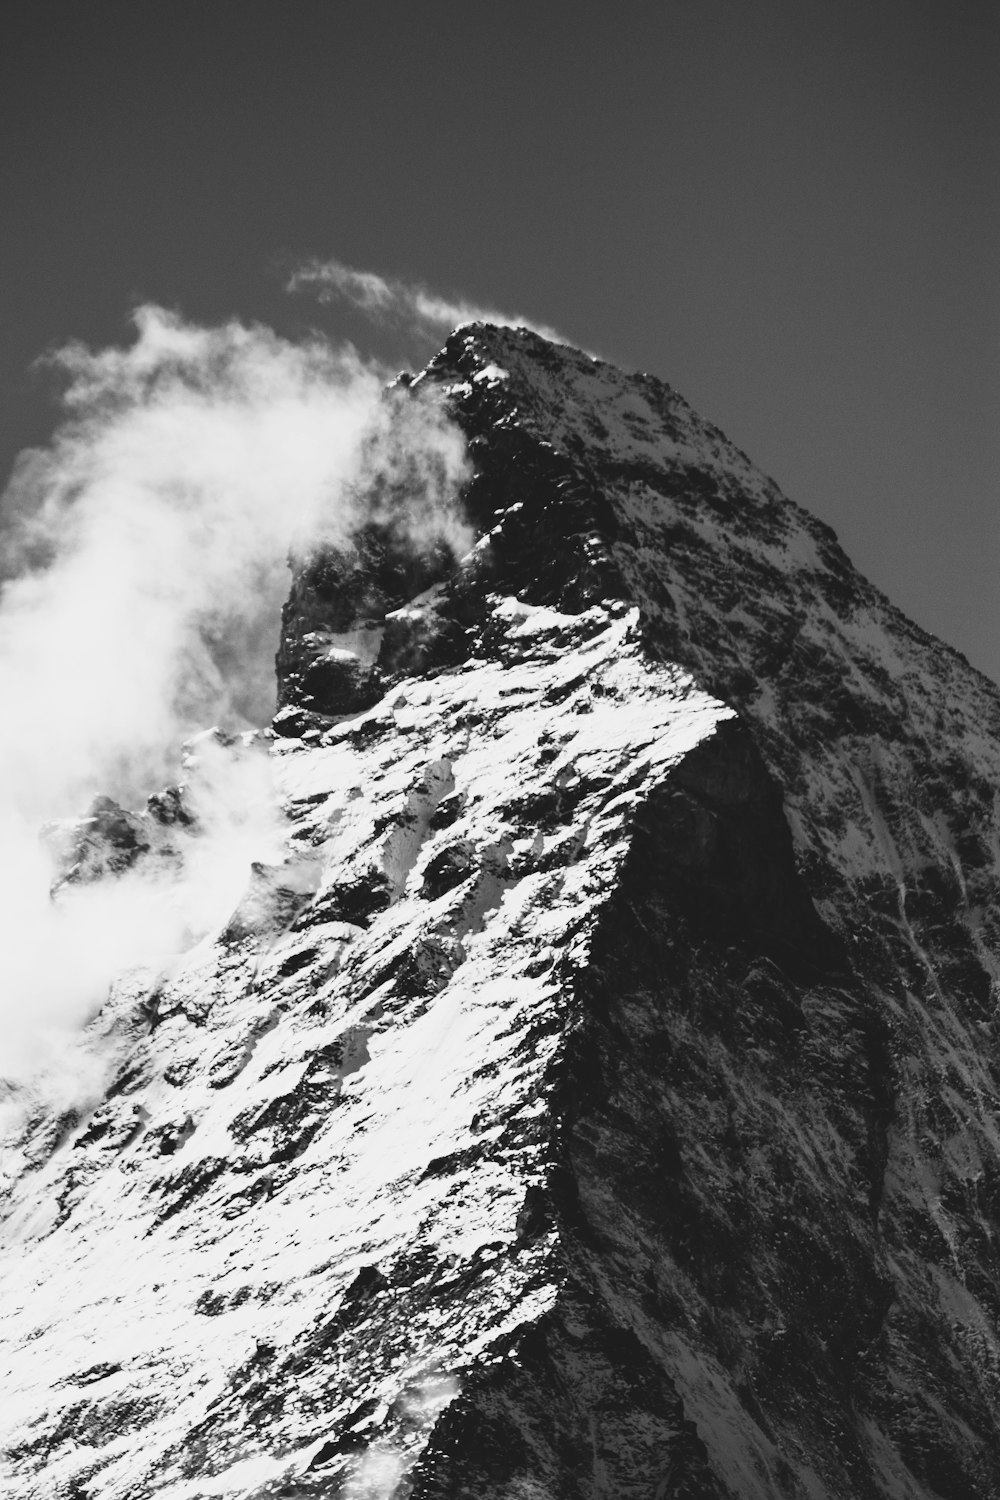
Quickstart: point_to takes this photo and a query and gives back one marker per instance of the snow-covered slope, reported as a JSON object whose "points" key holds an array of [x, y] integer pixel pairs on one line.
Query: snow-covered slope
{"points": [[598, 1097]]}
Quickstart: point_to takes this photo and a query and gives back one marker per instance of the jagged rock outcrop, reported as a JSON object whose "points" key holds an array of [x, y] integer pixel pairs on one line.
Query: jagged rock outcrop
{"points": [[598, 1099]]}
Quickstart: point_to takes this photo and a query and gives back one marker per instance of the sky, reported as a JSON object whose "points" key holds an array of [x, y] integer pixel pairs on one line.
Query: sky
{"points": [[787, 209]]}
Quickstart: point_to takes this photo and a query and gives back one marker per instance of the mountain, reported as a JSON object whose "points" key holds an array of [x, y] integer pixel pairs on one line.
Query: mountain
{"points": [[597, 1100]]}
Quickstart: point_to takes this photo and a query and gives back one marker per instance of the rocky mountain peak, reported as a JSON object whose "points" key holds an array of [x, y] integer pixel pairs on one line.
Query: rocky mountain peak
{"points": [[596, 1098]]}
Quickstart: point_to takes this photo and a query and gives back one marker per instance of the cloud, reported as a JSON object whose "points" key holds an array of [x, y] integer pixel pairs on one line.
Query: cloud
{"points": [[150, 538], [145, 568], [382, 1467], [390, 300]]}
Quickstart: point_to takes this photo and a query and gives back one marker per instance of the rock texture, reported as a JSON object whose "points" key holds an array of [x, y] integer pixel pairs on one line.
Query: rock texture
{"points": [[598, 1099]]}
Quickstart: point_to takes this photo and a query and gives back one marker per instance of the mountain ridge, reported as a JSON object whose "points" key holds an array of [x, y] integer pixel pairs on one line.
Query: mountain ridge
{"points": [[597, 1097]]}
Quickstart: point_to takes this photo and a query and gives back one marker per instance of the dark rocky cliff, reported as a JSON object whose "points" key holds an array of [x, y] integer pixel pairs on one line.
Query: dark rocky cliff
{"points": [[599, 1098]]}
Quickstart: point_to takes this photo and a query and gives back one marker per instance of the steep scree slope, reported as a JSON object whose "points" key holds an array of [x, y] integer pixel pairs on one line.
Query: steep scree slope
{"points": [[599, 1098]]}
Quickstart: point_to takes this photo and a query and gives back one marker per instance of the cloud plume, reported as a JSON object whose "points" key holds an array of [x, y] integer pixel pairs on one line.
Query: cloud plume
{"points": [[144, 571], [390, 300]]}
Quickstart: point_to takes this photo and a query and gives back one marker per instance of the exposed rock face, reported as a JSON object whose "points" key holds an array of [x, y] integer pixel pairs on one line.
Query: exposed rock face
{"points": [[599, 1100]]}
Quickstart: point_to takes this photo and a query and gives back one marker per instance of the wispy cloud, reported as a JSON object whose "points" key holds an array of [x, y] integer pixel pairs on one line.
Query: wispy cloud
{"points": [[390, 300], [144, 556], [150, 536]]}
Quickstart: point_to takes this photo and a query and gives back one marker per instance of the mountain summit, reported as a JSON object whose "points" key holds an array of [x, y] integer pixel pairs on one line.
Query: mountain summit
{"points": [[597, 1100]]}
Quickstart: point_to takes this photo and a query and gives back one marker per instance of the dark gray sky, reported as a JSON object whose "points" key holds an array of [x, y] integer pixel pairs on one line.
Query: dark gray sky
{"points": [[789, 209]]}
